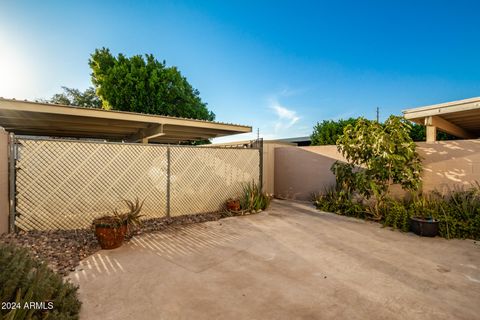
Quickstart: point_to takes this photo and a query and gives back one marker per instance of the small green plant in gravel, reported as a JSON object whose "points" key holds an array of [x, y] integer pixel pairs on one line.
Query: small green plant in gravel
{"points": [[24, 280], [253, 198], [339, 202]]}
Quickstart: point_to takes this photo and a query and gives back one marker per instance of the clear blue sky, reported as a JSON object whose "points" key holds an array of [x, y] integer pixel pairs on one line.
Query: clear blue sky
{"points": [[280, 66]]}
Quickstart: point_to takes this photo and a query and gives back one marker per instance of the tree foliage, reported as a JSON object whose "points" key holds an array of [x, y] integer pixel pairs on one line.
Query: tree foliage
{"points": [[418, 133], [328, 131], [378, 156], [143, 84], [75, 97]]}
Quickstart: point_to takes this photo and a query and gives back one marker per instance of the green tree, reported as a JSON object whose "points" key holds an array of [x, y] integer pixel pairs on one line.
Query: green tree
{"points": [[378, 156], [143, 84], [328, 131], [75, 97], [418, 133]]}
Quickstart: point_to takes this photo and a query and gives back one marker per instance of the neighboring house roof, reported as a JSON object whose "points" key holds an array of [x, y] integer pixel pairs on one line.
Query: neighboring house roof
{"points": [[304, 141], [44, 119], [460, 118]]}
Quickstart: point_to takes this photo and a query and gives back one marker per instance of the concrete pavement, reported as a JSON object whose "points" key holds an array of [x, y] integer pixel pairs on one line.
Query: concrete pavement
{"points": [[291, 262]]}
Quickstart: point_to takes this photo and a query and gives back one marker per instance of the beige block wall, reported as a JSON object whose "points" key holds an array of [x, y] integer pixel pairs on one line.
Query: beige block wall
{"points": [[300, 172], [269, 165], [4, 207], [447, 164]]}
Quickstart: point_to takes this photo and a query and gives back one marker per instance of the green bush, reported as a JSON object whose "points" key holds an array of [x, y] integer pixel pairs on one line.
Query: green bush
{"points": [[339, 202], [396, 215], [458, 212], [26, 280]]}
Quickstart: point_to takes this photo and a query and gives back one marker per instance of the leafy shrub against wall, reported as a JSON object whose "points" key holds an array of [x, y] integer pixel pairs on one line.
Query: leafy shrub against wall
{"points": [[378, 156], [458, 211], [25, 280]]}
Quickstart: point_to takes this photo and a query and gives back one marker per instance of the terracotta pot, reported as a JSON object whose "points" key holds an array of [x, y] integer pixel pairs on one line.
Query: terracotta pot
{"points": [[233, 205], [110, 237]]}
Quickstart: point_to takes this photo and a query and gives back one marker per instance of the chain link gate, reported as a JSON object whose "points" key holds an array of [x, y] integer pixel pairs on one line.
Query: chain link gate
{"points": [[65, 184]]}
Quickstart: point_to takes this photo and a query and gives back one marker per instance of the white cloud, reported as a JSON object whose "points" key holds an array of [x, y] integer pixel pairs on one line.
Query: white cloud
{"points": [[286, 118]]}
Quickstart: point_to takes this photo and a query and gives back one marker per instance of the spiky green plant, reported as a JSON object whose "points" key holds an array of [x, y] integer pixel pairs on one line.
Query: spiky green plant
{"points": [[253, 198], [132, 217]]}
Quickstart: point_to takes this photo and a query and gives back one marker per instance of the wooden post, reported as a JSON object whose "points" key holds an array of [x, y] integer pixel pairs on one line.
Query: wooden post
{"points": [[4, 198]]}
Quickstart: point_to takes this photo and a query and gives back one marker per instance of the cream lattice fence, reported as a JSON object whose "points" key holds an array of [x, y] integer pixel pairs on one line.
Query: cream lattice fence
{"points": [[65, 184]]}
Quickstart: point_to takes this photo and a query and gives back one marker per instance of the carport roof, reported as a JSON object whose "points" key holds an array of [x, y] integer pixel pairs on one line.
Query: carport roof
{"points": [[460, 118], [44, 119]]}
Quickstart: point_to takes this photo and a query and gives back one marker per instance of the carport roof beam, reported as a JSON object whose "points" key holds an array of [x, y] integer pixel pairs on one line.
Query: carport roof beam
{"points": [[44, 119]]}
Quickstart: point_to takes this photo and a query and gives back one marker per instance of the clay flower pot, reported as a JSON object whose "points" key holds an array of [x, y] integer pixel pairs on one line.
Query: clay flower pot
{"points": [[110, 234], [233, 205]]}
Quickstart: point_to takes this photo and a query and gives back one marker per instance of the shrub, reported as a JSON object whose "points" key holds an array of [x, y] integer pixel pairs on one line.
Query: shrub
{"points": [[378, 156], [24, 280], [396, 215], [253, 198], [458, 212], [339, 202]]}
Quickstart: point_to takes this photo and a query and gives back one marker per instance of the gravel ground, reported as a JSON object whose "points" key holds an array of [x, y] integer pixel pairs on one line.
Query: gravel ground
{"points": [[63, 249]]}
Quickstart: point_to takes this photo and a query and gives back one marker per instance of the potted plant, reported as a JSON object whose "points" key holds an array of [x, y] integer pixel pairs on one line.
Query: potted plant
{"points": [[110, 230], [422, 222], [233, 204], [425, 227]]}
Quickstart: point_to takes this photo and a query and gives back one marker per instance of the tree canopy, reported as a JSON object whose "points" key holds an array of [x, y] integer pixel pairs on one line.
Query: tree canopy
{"points": [[418, 133], [328, 131], [143, 84], [75, 97]]}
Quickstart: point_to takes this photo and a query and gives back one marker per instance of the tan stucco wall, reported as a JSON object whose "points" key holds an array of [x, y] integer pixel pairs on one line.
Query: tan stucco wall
{"points": [[449, 163], [4, 207], [300, 172], [269, 165]]}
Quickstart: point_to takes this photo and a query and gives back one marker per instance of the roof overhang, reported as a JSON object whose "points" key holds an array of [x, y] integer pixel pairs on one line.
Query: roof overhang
{"points": [[43, 119], [459, 118]]}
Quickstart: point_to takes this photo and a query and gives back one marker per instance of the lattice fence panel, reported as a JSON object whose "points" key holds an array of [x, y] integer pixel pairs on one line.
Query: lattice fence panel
{"points": [[65, 184], [202, 179]]}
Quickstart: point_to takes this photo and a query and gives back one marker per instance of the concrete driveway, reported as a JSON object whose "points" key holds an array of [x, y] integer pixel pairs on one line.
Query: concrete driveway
{"points": [[291, 262]]}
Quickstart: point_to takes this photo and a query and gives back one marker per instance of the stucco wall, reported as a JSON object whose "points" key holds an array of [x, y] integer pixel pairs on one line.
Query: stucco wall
{"points": [[269, 164], [302, 171], [450, 163]]}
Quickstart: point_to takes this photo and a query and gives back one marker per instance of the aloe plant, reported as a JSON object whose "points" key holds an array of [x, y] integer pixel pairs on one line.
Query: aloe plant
{"points": [[253, 198]]}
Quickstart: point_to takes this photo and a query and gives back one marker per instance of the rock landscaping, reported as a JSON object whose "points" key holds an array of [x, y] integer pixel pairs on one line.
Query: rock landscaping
{"points": [[62, 250]]}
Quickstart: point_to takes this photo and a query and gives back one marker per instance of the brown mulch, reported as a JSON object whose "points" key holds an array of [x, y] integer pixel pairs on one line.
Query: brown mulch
{"points": [[62, 250]]}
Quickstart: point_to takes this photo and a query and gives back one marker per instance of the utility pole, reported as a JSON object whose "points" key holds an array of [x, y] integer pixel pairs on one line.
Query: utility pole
{"points": [[378, 114], [258, 133]]}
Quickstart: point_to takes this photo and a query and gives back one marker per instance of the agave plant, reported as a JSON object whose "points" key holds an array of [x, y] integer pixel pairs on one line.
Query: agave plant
{"points": [[253, 198], [132, 217]]}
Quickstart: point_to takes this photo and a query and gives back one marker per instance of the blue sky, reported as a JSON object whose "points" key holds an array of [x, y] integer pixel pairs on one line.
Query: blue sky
{"points": [[280, 66]]}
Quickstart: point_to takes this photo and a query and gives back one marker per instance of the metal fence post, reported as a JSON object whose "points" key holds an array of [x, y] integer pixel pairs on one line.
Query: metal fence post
{"points": [[168, 181], [11, 179], [260, 150]]}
